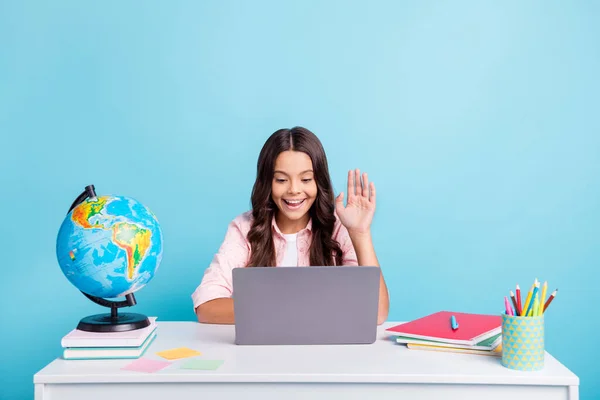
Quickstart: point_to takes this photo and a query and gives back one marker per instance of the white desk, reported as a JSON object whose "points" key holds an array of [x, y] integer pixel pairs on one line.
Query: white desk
{"points": [[383, 370]]}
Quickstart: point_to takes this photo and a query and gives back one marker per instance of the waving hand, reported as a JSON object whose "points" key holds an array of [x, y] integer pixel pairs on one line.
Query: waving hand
{"points": [[358, 213]]}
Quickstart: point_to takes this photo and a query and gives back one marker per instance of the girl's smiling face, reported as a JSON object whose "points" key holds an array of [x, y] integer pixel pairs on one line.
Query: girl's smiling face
{"points": [[293, 190]]}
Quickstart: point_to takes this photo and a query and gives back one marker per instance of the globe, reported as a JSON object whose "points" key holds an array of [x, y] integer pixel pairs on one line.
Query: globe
{"points": [[109, 246]]}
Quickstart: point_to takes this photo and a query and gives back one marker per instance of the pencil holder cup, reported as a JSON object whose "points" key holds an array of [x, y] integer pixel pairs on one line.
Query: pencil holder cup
{"points": [[523, 342]]}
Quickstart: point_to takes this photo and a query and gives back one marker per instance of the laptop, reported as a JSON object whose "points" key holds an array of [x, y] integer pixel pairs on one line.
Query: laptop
{"points": [[305, 305]]}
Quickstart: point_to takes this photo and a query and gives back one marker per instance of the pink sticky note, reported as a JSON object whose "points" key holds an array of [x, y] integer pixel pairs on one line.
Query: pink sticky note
{"points": [[146, 365]]}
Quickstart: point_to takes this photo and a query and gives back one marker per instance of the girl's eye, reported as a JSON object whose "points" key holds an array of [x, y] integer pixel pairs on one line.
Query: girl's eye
{"points": [[306, 180], [280, 180]]}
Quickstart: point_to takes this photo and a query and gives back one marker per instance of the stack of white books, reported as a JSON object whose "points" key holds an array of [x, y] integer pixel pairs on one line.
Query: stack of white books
{"points": [[82, 345]]}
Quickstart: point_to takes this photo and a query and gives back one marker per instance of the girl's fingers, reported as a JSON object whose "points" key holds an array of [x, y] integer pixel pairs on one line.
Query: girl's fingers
{"points": [[372, 199], [350, 184], [365, 185]]}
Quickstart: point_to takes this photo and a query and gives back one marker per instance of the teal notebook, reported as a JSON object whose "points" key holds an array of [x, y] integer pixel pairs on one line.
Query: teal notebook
{"points": [[487, 344], [103, 353]]}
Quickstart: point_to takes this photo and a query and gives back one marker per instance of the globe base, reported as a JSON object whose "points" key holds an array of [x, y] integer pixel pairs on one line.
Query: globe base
{"points": [[107, 323]]}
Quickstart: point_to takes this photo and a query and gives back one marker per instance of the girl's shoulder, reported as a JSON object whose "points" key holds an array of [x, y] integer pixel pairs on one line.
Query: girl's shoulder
{"points": [[243, 222]]}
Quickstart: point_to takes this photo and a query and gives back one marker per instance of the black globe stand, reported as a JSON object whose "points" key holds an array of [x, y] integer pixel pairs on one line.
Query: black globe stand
{"points": [[113, 322]]}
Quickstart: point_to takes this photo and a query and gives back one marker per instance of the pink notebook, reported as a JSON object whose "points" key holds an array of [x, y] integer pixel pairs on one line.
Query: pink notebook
{"points": [[472, 328], [134, 338]]}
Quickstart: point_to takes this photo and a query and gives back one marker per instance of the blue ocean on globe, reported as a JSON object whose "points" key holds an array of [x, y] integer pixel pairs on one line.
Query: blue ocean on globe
{"points": [[109, 246]]}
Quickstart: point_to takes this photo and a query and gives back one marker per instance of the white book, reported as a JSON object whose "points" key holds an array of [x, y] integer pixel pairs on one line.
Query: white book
{"points": [[95, 353], [134, 338]]}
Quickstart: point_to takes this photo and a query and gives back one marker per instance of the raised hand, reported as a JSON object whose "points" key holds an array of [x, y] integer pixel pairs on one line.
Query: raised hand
{"points": [[358, 213]]}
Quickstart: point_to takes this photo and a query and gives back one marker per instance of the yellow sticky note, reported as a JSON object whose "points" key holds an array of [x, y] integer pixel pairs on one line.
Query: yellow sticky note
{"points": [[180, 352]]}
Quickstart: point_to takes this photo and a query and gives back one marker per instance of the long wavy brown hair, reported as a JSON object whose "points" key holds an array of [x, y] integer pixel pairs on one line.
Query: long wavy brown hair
{"points": [[324, 250]]}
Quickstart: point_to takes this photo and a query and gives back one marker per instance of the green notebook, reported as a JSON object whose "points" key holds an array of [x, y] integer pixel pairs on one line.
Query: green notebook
{"points": [[487, 344]]}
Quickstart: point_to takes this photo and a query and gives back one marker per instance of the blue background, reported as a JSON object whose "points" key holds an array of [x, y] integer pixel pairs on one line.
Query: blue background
{"points": [[478, 122]]}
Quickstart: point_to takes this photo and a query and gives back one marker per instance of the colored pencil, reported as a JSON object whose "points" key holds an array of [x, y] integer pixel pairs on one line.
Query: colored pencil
{"points": [[519, 304], [536, 306], [514, 301], [528, 300], [536, 289], [552, 296], [507, 306], [543, 297]]}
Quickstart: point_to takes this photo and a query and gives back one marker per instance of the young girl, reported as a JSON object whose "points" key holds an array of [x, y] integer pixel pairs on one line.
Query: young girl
{"points": [[293, 222]]}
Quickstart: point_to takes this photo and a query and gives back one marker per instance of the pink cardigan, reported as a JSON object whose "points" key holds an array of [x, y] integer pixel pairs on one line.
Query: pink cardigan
{"points": [[235, 253]]}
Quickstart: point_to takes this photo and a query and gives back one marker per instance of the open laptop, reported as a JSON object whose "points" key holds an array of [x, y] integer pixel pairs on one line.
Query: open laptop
{"points": [[305, 305]]}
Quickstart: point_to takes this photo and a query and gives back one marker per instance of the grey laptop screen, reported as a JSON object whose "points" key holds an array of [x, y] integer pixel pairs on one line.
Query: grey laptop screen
{"points": [[306, 305]]}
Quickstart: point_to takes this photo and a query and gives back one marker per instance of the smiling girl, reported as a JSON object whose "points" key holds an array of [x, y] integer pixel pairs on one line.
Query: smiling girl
{"points": [[294, 221]]}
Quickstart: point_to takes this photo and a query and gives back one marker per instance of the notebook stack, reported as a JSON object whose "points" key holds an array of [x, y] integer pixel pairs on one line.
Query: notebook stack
{"points": [[465, 333], [82, 345]]}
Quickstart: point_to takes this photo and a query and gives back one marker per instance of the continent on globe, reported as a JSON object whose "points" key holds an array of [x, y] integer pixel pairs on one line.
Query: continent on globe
{"points": [[135, 240], [86, 210]]}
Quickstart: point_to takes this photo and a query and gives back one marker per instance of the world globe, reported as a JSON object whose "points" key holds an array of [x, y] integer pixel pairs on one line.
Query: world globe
{"points": [[107, 247]]}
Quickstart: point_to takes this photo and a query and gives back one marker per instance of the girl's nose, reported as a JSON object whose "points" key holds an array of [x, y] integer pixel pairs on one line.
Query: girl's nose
{"points": [[293, 187]]}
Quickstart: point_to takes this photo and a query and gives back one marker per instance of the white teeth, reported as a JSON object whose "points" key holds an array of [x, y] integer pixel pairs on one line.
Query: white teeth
{"points": [[294, 201]]}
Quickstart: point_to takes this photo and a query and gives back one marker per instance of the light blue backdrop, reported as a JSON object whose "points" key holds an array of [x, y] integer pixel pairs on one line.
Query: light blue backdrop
{"points": [[478, 122]]}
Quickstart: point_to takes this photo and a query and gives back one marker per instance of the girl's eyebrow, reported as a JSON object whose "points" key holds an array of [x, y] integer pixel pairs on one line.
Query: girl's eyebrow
{"points": [[303, 172]]}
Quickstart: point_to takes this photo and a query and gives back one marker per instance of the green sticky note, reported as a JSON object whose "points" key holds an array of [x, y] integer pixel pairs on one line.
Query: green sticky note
{"points": [[197, 363]]}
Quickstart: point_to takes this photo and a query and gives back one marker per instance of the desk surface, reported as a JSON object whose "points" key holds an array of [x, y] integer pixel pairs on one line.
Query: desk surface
{"points": [[381, 362]]}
